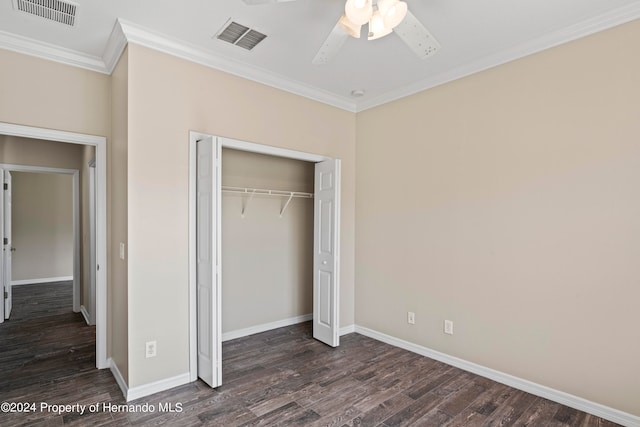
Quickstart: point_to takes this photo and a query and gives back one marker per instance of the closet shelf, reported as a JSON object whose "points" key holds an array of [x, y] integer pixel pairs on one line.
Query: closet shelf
{"points": [[266, 192]]}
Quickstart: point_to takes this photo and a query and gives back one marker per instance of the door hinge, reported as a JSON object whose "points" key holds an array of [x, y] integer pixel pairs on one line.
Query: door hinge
{"points": [[6, 186], [6, 295], [6, 241]]}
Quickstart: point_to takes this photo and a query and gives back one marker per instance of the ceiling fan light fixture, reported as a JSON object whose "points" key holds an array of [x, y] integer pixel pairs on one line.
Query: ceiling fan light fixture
{"points": [[358, 11], [377, 28], [394, 14], [349, 27]]}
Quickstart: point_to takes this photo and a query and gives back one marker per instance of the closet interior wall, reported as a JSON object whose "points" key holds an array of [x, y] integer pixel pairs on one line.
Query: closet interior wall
{"points": [[267, 260]]}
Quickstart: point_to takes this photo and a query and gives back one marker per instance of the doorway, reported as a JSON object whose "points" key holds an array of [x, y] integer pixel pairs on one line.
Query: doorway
{"points": [[99, 143], [46, 227], [205, 248]]}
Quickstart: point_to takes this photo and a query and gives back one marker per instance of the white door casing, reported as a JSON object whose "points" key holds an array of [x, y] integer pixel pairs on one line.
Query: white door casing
{"points": [[329, 331], [326, 252], [100, 144], [207, 261], [92, 243]]}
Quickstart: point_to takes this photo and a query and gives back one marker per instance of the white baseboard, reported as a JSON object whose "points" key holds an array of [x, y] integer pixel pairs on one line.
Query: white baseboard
{"points": [[232, 335], [138, 392], [85, 314], [347, 330], [118, 377], [561, 397], [42, 280], [157, 386]]}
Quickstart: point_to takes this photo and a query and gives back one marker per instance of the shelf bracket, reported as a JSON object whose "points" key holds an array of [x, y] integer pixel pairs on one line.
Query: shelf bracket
{"points": [[246, 203], [286, 204]]}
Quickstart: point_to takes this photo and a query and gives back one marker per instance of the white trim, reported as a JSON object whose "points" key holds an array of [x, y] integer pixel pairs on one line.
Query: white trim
{"points": [[271, 150], [47, 51], [111, 364], [561, 397], [193, 302], [23, 282], [157, 386], [138, 392], [85, 314], [115, 47], [349, 329], [37, 169], [225, 143], [77, 259], [100, 144], [239, 333]]}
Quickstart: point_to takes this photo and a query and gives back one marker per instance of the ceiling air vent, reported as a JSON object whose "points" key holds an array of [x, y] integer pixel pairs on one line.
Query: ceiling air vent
{"points": [[63, 12], [240, 35]]}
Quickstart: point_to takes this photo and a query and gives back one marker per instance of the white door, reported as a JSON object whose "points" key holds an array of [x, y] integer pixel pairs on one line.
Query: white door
{"points": [[326, 254], [208, 261], [7, 248]]}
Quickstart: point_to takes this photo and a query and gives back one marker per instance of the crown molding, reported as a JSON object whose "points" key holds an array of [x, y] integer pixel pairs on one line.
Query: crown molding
{"points": [[115, 46], [127, 32], [171, 46], [585, 28], [50, 52]]}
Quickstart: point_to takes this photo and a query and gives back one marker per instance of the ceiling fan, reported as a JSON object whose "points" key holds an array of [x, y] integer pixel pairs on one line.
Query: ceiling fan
{"points": [[383, 17]]}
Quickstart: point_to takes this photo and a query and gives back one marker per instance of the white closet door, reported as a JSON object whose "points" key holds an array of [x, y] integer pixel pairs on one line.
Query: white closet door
{"points": [[326, 252], [8, 244], [4, 247], [208, 261], [7, 249]]}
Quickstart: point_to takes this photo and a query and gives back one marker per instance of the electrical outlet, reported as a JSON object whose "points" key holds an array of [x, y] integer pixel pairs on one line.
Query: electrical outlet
{"points": [[150, 349], [411, 318], [448, 327]]}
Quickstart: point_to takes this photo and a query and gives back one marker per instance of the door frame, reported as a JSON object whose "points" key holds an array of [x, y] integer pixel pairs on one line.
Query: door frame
{"points": [[75, 201], [242, 146], [100, 144]]}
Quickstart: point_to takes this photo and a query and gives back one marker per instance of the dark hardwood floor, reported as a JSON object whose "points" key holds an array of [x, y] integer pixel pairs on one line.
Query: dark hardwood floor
{"points": [[280, 377]]}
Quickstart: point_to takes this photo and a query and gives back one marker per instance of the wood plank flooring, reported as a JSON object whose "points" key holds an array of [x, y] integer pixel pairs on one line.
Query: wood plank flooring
{"points": [[277, 378]]}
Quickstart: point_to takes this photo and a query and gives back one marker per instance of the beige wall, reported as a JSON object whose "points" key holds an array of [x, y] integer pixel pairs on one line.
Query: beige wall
{"points": [[167, 98], [267, 261], [36, 152], [118, 293], [79, 101], [69, 98], [507, 202], [42, 225]]}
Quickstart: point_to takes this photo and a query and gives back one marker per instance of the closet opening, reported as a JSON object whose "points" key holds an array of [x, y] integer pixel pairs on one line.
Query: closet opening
{"points": [[264, 239]]}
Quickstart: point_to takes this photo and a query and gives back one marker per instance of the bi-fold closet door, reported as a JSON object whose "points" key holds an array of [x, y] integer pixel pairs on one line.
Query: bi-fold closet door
{"points": [[208, 254]]}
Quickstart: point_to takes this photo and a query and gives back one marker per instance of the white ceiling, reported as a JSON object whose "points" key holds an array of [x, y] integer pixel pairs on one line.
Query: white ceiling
{"points": [[474, 35]]}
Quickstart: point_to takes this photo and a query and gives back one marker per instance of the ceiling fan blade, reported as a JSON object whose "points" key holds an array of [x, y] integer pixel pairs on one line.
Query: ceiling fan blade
{"points": [[416, 36], [331, 45], [255, 2]]}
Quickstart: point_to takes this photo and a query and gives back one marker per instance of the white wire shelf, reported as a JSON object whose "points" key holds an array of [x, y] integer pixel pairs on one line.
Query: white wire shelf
{"points": [[251, 192]]}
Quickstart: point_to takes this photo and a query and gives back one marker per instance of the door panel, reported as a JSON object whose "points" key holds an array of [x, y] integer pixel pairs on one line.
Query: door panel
{"points": [[4, 250], [209, 337], [9, 245], [326, 252]]}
